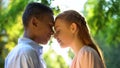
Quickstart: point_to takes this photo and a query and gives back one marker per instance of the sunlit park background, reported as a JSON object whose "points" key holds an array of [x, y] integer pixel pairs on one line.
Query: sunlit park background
{"points": [[103, 17]]}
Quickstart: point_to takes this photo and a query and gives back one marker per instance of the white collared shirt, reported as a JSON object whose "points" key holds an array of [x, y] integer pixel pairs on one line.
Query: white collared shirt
{"points": [[27, 54]]}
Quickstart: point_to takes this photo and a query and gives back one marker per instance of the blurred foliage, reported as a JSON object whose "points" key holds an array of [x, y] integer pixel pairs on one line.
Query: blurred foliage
{"points": [[53, 60], [103, 17]]}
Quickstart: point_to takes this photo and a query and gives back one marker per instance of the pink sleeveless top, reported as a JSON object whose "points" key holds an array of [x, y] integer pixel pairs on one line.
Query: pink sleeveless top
{"points": [[87, 58]]}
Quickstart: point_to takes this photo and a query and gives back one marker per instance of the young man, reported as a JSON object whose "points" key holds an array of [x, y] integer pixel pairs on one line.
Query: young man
{"points": [[38, 22]]}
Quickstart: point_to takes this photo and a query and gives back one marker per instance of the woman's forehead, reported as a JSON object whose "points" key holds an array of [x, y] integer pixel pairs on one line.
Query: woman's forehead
{"points": [[60, 23]]}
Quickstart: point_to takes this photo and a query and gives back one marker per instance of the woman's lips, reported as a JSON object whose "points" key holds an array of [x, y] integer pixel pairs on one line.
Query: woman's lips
{"points": [[59, 41]]}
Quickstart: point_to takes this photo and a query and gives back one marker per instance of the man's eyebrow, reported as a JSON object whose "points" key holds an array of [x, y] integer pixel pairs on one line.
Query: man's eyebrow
{"points": [[51, 24]]}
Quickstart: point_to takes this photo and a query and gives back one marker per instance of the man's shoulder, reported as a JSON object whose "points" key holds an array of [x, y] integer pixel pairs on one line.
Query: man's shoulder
{"points": [[21, 50], [21, 55], [25, 49]]}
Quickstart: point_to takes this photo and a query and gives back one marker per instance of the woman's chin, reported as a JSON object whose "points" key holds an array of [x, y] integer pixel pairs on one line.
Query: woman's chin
{"points": [[63, 46]]}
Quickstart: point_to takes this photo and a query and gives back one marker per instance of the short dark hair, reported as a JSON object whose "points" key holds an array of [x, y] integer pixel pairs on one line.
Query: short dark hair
{"points": [[35, 9]]}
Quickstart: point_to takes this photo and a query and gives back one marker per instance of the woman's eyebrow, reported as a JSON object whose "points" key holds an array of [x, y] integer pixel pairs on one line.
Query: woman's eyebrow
{"points": [[56, 27]]}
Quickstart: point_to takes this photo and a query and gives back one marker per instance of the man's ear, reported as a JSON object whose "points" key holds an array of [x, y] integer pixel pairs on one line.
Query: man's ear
{"points": [[34, 21], [73, 27]]}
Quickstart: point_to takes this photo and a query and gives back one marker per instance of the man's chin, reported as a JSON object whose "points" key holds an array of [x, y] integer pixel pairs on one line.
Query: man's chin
{"points": [[44, 43], [47, 41]]}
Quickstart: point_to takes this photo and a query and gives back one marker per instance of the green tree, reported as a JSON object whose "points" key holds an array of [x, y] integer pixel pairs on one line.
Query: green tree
{"points": [[10, 27], [103, 17], [53, 60]]}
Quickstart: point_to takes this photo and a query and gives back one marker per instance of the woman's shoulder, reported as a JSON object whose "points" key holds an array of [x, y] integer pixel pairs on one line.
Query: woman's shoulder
{"points": [[87, 50], [89, 56]]}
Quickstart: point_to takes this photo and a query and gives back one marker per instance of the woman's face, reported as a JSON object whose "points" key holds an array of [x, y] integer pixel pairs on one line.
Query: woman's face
{"points": [[63, 33]]}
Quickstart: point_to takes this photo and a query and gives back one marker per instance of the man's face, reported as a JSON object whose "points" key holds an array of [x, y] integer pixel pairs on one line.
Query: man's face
{"points": [[43, 30]]}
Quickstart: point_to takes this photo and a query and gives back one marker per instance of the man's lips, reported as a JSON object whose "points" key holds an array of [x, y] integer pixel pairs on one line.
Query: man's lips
{"points": [[48, 37]]}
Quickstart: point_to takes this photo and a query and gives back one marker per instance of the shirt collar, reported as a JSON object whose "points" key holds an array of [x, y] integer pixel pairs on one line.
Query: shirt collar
{"points": [[32, 43]]}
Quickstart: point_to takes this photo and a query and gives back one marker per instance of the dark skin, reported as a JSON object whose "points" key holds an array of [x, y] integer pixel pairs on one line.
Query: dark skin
{"points": [[40, 30]]}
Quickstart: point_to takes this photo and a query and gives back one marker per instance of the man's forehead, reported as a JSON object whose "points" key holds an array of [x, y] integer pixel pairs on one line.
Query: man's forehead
{"points": [[52, 20]]}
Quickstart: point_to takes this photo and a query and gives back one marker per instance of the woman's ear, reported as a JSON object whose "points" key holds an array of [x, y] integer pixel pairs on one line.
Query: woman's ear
{"points": [[73, 27]]}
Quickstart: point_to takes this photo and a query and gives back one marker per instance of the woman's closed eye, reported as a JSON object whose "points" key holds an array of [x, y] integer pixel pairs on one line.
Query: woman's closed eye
{"points": [[57, 31]]}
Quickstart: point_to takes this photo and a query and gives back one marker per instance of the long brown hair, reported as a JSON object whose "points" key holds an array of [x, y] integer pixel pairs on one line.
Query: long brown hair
{"points": [[72, 16]]}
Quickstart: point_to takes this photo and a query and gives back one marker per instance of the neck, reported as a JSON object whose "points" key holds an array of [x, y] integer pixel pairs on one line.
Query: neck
{"points": [[26, 34], [76, 46]]}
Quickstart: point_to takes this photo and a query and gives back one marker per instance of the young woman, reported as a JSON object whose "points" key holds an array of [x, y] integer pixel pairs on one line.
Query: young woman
{"points": [[72, 31]]}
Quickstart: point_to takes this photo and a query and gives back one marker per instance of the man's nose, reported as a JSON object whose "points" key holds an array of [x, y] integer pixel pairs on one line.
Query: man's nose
{"points": [[52, 32], [55, 35]]}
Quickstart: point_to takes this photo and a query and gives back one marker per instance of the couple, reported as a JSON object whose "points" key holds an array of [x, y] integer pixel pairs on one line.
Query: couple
{"points": [[70, 31]]}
